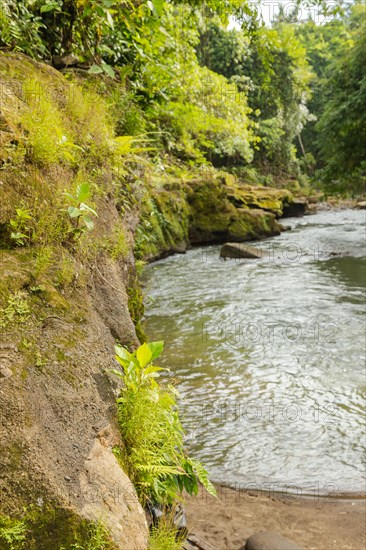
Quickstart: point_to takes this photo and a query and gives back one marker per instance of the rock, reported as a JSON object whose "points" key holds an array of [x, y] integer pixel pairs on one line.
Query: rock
{"points": [[285, 227], [107, 492], [62, 61], [268, 540], [252, 224], [295, 207], [361, 205], [240, 250], [180, 247], [5, 373], [265, 198]]}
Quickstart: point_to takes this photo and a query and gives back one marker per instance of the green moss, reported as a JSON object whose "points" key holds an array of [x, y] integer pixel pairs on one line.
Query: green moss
{"points": [[211, 211], [52, 296], [252, 225], [14, 452], [47, 528], [136, 308], [12, 533]]}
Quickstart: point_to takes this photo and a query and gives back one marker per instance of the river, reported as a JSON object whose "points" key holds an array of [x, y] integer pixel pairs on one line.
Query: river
{"points": [[269, 356]]}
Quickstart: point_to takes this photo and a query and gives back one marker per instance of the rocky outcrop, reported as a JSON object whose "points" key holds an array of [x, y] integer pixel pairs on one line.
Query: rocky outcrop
{"points": [[265, 198], [215, 219], [58, 421]]}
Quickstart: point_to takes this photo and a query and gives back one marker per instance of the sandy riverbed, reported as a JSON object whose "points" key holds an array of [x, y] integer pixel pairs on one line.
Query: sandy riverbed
{"points": [[315, 523]]}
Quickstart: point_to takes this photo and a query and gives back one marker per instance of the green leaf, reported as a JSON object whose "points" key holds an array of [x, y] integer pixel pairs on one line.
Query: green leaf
{"points": [[23, 214], [19, 238], [117, 373], [123, 355], [126, 70], [143, 355], [110, 19], [95, 69], [108, 70], [49, 7], [156, 349], [89, 223], [153, 370], [202, 475], [83, 192], [74, 212], [86, 208]]}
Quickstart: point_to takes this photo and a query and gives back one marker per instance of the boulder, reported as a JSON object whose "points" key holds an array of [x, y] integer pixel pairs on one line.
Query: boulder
{"points": [[240, 250], [268, 540], [295, 207], [361, 205], [251, 224]]}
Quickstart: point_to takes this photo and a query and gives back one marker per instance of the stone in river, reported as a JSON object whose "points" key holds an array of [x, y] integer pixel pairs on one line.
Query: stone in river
{"points": [[240, 250], [268, 540]]}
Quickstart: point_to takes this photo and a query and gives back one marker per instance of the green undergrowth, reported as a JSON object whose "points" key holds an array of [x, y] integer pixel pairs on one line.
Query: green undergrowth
{"points": [[46, 527], [149, 421], [165, 536], [62, 161], [136, 307]]}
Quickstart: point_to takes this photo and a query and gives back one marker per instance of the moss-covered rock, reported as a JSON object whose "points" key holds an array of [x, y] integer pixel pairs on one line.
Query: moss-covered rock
{"points": [[164, 224], [211, 211], [219, 215], [253, 224], [264, 198]]}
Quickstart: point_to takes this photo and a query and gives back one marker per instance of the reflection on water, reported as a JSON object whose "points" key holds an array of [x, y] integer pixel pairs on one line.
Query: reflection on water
{"points": [[270, 354]]}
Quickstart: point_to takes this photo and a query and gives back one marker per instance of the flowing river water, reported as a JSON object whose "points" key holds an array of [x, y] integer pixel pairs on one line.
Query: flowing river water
{"points": [[269, 355]]}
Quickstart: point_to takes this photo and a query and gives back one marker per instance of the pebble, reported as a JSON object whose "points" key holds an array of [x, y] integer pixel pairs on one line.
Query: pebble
{"points": [[5, 372]]}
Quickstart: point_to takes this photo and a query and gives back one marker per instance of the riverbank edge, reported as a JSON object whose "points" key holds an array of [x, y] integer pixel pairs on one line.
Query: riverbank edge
{"points": [[313, 523]]}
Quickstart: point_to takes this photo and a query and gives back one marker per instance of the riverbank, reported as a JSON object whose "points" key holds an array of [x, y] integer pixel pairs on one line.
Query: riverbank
{"points": [[314, 523]]}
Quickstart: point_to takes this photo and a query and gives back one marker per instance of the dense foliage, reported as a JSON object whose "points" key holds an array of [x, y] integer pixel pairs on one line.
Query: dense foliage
{"points": [[336, 137], [285, 100]]}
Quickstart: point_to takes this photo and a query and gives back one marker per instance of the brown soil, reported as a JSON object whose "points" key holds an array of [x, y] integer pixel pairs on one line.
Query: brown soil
{"points": [[316, 523]]}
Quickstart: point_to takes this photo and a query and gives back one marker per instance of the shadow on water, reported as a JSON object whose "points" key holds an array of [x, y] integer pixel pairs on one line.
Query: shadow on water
{"points": [[349, 270]]}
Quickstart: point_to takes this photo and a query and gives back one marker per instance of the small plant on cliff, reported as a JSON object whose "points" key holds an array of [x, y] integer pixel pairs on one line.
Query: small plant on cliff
{"points": [[80, 212], [16, 311], [20, 226], [151, 429]]}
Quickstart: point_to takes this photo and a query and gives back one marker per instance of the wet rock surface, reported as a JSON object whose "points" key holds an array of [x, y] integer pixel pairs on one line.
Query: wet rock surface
{"points": [[240, 250]]}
